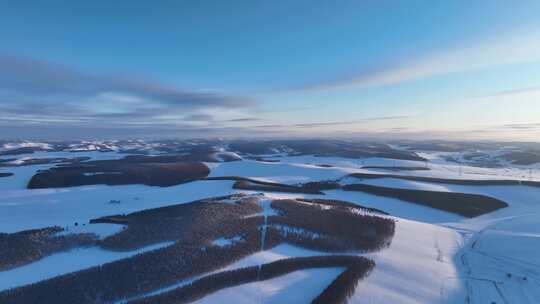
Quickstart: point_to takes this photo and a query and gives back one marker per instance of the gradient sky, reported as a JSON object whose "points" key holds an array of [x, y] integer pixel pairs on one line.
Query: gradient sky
{"points": [[412, 69]]}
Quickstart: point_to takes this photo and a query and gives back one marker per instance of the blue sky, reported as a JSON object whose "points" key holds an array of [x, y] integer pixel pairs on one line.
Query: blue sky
{"points": [[412, 69]]}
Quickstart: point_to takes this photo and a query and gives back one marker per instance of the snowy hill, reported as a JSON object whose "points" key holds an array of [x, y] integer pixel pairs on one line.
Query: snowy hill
{"points": [[435, 255]]}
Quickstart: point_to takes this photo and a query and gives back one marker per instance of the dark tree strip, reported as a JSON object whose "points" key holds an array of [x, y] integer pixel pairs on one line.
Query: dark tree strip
{"points": [[397, 168], [343, 287], [147, 170], [329, 229], [246, 185], [200, 221], [465, 204], [337, 292], [465, 182], [130, 277], [20, 248]]}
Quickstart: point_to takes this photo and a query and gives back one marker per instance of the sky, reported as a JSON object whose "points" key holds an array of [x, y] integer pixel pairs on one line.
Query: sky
{"points": [[383, 69]]}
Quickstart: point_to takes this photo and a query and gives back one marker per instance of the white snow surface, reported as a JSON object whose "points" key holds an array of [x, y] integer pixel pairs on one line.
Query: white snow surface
{"points": [[434, 257], [101, 230], [222, 242]]}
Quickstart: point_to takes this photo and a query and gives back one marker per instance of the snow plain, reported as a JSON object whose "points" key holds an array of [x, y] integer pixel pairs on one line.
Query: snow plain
{"points": [[435, 256]]}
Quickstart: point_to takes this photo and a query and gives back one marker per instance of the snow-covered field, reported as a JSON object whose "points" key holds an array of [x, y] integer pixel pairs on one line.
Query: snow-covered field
{"points": [[434, 257]]}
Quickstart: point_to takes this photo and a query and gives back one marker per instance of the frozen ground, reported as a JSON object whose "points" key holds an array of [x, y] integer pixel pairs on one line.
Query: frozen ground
{"points": [[435, 256]]}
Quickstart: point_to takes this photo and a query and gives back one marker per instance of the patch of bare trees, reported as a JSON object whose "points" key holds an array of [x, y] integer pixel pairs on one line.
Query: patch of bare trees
{"points": [[17, 249]]}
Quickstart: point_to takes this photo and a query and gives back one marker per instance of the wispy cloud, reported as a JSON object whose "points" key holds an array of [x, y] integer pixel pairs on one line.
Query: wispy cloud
{"points": [[246, 119], [199, 117], [335, 123], [497, 51], [36, 91], [522, 126], [514, 92]]}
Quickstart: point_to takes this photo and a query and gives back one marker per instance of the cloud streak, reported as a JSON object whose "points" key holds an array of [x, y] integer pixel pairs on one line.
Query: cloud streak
{"points": [[36, 91], [522, 126], [335, 123], [515, 92], [501, 51]]}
